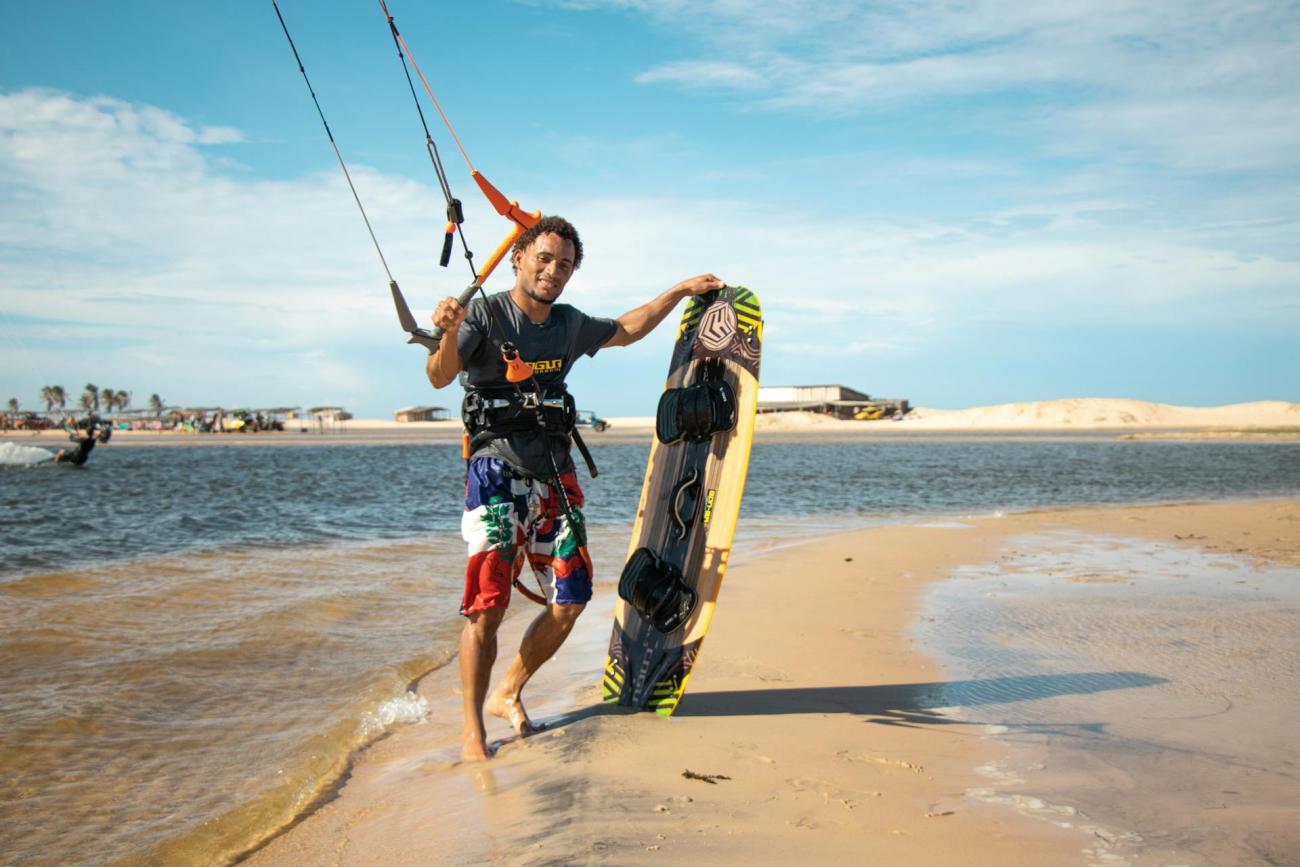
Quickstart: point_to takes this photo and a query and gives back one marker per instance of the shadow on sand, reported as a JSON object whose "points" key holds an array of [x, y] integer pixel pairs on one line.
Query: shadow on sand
{"points": [[908, 703]]}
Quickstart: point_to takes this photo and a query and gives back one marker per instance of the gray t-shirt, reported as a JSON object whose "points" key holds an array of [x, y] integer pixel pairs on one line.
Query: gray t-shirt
{"points": [[552, 348]]}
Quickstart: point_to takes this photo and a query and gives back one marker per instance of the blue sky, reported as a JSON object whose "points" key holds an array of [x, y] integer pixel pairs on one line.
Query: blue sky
{"points": [[956, 203]]}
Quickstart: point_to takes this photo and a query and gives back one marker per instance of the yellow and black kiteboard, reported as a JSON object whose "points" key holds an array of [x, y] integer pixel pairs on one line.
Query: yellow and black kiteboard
{"points": [[689, 502]]}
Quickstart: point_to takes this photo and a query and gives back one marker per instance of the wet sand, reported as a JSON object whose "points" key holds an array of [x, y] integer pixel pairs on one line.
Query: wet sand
{"points": [[814, 702]]}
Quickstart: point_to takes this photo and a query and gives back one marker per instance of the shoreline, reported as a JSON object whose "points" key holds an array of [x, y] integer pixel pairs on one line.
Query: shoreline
{"points": [[1120, 417], [764, 709], [449, 434]]}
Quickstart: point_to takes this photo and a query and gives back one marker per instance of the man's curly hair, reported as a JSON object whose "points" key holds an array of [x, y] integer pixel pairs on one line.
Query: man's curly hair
{"points": [[555, 225]]}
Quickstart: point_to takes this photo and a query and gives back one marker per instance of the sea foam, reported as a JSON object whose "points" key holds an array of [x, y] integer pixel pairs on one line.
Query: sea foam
{"points": [[15, 455], [409, 708]]}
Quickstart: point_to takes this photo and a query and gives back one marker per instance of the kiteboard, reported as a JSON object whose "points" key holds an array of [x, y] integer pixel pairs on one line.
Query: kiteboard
{"points": [[690, 501]]}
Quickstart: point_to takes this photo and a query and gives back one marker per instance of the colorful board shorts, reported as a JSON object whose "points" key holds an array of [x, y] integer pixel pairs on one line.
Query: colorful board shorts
{"points": [[510, 518]]}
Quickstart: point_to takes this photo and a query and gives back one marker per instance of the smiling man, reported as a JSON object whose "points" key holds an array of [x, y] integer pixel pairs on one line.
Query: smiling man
{"points": [[522, 498]]}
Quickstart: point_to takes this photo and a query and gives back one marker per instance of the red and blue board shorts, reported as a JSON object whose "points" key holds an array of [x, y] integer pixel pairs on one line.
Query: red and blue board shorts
{"points": [[510, 518]]}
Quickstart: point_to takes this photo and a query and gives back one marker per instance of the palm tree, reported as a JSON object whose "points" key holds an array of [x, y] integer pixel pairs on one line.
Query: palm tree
{"points": [[108, 397], [93, 394], [156, 405], [13, 406], [59, 395], [124, 400]]}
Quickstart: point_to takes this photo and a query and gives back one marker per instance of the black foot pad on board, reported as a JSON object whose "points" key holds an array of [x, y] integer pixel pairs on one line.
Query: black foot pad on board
{"points": [[657, 590], [696, 412]]}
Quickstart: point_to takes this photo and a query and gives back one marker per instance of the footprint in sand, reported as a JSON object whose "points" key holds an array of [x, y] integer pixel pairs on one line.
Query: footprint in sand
{"points": [[860, 633], [914, 767], [831, 795]]}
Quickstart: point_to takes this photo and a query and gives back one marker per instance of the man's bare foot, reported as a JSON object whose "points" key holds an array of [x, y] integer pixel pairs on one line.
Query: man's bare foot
{"points": [[475, 749], [512, 711]]}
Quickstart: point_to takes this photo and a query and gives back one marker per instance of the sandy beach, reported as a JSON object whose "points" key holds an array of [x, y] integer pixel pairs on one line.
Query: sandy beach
{"points": [[812, 710]]}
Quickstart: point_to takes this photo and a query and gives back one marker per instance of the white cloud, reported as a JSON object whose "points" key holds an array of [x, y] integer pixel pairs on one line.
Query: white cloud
{"points": [[704, 74], [117, 219], [126, 248], [1209, 85], [1193, 132], [902, 283]]}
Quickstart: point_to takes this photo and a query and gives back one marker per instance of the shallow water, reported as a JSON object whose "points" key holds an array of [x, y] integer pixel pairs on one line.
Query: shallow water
{"points": [[193, 640], [154, 700], [1149, 693], [137, 501]]}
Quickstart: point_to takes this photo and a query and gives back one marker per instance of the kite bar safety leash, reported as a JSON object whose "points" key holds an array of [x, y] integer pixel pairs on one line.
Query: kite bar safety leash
{"points": [[455, 213], [508, 208], [427, 339], [405, 317], [518, 371]]}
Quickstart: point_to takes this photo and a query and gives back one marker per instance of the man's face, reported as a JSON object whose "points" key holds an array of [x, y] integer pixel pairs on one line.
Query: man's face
{"points": [[545, 267]]}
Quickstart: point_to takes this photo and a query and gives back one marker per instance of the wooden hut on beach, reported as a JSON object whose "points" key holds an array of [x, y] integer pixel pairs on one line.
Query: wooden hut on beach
{"points": [[421, 413], [835, 400]]}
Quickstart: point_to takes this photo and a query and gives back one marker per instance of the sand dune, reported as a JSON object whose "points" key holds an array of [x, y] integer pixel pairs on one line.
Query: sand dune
{"points": [[1107, 413], [1065, 414]]}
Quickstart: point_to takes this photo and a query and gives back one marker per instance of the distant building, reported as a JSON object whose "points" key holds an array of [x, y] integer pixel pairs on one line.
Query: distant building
{"points": [[330, 419], [803, 394], [421, 413], [835, 400], [330, 413]]}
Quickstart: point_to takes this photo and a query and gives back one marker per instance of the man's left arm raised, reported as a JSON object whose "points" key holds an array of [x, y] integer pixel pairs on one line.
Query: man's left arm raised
{"points": [[640, 321]]}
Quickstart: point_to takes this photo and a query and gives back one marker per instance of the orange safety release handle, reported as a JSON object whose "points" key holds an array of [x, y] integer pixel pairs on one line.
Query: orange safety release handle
{"points": [[517, 370]]}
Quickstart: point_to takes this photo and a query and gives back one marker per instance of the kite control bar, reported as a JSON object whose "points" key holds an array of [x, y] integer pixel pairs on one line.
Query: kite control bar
{"points": [[508, 208], [522, 220]]}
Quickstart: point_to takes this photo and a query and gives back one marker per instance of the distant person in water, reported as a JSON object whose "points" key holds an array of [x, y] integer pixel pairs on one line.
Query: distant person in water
{"points": [[85, 438]]}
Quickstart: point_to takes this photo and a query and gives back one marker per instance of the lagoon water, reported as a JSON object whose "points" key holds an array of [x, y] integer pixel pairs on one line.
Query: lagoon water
{"points": [[139, 502], [196, 639]]}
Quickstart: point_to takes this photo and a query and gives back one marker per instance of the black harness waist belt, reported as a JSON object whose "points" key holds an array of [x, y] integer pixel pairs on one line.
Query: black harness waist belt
{"points": [[498, 411]]}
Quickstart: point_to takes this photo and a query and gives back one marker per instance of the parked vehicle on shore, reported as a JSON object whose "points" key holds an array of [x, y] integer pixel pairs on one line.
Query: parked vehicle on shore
{"points": [[588, 419], [31, 421]]}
